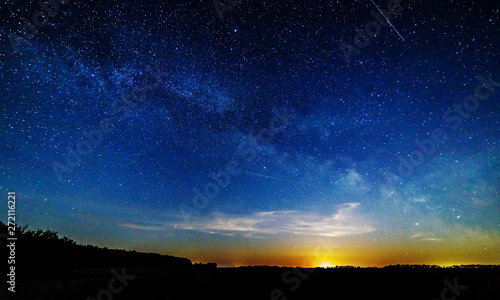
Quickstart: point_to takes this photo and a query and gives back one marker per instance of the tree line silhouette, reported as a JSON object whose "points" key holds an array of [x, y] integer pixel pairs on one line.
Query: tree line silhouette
{"points": [[42, 252]]}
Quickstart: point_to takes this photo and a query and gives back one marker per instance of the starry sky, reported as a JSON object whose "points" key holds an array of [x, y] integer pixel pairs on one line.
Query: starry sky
{"points": [[293, 133]]}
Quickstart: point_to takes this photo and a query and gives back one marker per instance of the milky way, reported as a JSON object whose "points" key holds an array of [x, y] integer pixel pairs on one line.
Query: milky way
{"points": [[250, 133]]}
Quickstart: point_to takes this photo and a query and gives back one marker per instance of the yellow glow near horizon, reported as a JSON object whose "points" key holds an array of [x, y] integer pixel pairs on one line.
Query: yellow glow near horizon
{"points": [[326, 264], [311, 252]]}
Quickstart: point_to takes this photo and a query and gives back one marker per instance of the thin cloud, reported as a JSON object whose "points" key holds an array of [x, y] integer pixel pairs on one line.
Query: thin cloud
{"points": [[140, 227], [433, 240], [417, 235], [428, 237], [344, 222]]}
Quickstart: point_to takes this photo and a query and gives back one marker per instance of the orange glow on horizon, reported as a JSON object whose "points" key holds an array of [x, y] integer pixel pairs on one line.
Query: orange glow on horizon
{"points": [[326, 264], [311, 252]]}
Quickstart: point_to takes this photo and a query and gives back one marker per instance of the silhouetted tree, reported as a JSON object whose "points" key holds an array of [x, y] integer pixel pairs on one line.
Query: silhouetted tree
{"points": [[42, 252]]}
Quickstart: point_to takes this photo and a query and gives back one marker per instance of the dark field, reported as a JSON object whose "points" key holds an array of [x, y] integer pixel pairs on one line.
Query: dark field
{"points": [[260, 282]]}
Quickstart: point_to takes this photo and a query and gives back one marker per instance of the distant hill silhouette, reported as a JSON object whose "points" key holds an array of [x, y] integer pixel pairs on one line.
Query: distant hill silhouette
{"points": [[43, 252]]}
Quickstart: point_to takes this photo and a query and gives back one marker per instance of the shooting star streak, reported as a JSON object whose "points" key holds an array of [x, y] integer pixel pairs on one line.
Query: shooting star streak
{"points": [[328, 52], [388, 21], [270, 177], [276, 178]]}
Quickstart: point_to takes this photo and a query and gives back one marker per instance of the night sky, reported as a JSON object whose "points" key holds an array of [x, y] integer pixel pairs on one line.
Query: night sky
{"points": [[294, 133]]}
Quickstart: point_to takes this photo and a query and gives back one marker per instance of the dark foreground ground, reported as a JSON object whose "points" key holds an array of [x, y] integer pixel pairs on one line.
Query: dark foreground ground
{"points": [[261, 282]]}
